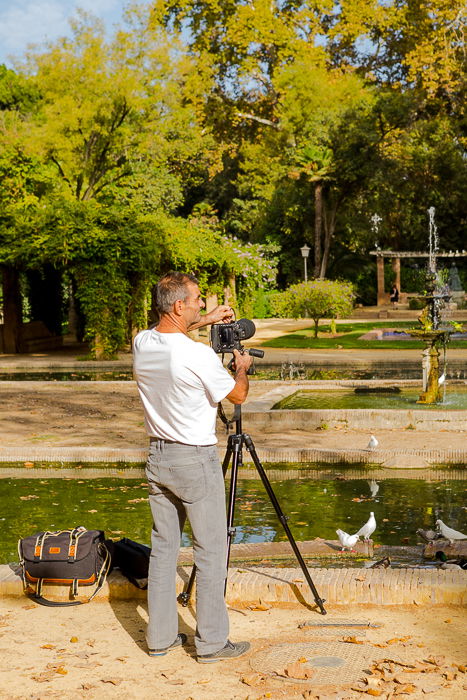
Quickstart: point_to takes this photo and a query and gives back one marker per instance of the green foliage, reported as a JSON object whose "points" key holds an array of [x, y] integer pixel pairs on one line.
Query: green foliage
{"points": [[318, 299]]}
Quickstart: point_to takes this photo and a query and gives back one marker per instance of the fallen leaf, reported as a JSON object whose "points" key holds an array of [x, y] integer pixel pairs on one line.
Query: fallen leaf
{"points": [[48, 646], [436, 660], [352, 640], [405, 689], [394, 640], [28, 607], [460, 667], [450, 676], [61, 670], [113, 681], [252, 679], [203, 681], [91, 642], [87, 686], [375, 692], [73, 640], [28, 465], [448, 621], [297, 670]]}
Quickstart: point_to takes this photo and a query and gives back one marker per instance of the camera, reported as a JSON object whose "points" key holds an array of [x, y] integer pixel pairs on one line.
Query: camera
{"points": [[227, 337]]}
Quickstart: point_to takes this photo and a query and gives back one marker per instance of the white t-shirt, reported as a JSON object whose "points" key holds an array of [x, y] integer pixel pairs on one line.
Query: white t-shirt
{"points": [[180, 383]]}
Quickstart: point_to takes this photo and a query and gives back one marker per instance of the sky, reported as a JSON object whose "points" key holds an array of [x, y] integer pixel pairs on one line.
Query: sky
{"points": [[23, 22]]}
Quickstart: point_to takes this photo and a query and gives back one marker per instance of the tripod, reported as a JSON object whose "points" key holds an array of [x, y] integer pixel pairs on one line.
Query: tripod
{"points": [[234, 452]]}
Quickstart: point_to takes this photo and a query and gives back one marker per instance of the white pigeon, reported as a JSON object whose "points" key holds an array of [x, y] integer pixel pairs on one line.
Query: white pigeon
{"points": [[373, 443], [368, 529], [374, 487], [448, 533], [442, 379], [347, 541]]}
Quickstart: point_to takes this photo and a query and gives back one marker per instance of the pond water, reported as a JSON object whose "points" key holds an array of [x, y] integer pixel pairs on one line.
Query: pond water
{"points": [[455, 398], [264, 370], [315, 508]]}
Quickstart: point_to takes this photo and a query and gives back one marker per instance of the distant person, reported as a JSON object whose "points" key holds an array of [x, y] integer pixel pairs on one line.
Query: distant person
{"points": [[394, 294]]}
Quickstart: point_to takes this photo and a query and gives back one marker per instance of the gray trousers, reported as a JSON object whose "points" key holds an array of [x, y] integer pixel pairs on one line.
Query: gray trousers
{"points": [[187, 480]]}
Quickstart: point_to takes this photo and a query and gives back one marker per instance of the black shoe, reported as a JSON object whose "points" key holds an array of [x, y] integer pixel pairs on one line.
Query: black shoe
{"points": [[179, 640], [230, 651]]}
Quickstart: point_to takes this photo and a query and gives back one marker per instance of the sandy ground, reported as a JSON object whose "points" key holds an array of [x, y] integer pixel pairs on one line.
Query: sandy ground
{"points": [[100, 652], [109, 414]]}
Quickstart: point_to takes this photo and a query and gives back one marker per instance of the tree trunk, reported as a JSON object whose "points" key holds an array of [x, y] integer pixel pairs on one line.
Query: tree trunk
{"points": [[318, 226], [329, 227], [12, 311]]}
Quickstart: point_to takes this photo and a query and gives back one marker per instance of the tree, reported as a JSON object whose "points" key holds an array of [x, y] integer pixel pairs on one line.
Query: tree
{"points": [[317, 299]]}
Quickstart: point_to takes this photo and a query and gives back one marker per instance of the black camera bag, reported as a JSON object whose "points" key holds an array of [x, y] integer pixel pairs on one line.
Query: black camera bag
{"points": [[76, 557], [132, 558]]}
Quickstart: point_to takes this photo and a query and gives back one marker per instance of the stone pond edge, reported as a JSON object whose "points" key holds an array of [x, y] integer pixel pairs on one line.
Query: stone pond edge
{"points": [[379, 587]]}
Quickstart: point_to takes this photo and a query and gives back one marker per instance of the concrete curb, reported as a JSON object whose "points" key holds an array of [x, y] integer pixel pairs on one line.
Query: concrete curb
{"points": [[278, 586], [385, 458]]}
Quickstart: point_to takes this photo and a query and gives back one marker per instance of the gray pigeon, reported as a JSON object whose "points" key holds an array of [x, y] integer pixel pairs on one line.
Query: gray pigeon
{"points": [[429, 535]]}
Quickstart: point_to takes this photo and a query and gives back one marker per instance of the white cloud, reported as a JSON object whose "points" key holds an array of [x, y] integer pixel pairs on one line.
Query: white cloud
{"points": [[24, 22]]}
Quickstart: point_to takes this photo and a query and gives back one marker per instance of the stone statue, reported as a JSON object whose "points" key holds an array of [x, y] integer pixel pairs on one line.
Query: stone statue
{"points": [[454, 282]]}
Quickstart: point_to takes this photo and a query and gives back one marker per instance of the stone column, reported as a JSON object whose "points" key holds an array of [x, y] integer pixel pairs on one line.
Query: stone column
{"points": [[396, 266], [381, 296]]}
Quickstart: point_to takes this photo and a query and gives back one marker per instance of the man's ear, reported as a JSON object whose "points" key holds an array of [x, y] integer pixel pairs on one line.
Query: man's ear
{"points": [[178, 307]]}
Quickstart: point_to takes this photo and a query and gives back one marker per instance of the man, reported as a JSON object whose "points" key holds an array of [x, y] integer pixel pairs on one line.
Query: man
{"points": [[180, 383]]}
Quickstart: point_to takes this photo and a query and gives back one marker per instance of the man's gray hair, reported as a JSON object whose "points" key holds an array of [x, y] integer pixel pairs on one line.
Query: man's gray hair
{"points": [[172, 287]]}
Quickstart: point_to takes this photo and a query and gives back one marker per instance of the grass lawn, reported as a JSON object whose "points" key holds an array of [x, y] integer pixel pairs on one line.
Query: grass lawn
{"points": [[348, 337]]}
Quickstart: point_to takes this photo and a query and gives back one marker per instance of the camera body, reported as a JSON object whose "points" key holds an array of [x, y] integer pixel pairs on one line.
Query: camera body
{"points": [[227, 337]]}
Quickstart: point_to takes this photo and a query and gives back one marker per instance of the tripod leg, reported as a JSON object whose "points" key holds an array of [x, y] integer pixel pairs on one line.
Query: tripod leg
{"points": [[184, 597], [236, 460], [272, 496]]}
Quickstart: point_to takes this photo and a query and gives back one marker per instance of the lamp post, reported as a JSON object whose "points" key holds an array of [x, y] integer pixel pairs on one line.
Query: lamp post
{"points": [[305, 251]]}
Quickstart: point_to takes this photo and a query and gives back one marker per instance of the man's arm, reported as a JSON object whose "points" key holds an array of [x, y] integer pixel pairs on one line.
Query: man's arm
{"points": [[240, 391], [221, 314]]}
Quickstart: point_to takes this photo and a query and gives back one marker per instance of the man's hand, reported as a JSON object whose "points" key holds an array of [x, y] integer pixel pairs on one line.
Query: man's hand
{"points": [[221, 314], [241, 364], [241, 361]]}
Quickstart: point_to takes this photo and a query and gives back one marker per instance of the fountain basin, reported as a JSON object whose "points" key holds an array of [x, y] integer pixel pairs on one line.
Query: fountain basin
{"points": [[377, 398]]}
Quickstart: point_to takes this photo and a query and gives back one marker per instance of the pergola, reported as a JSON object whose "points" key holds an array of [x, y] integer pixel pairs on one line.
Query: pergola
{"points": [[396, 256]]}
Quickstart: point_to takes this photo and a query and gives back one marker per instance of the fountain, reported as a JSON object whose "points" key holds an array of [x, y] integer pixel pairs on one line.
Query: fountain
{"points": [[432, 332]]}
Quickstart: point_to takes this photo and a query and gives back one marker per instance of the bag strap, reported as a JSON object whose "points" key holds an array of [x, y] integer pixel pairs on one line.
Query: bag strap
{"points": [[37, 596]]}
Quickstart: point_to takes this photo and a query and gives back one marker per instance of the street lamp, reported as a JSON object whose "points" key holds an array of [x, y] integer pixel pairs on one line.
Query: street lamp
{"points": [[305, 251]]}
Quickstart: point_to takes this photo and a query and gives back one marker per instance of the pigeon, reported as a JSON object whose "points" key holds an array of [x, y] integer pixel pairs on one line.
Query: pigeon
{"points": [[429, 535], [442, 379], [372, 443], [347, 541], [448, 533], [374, 487], [368, 529], [381, 564]]}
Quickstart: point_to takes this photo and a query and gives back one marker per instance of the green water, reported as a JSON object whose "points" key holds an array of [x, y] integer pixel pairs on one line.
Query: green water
{"points": [[315, 508], [347, 398]]}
